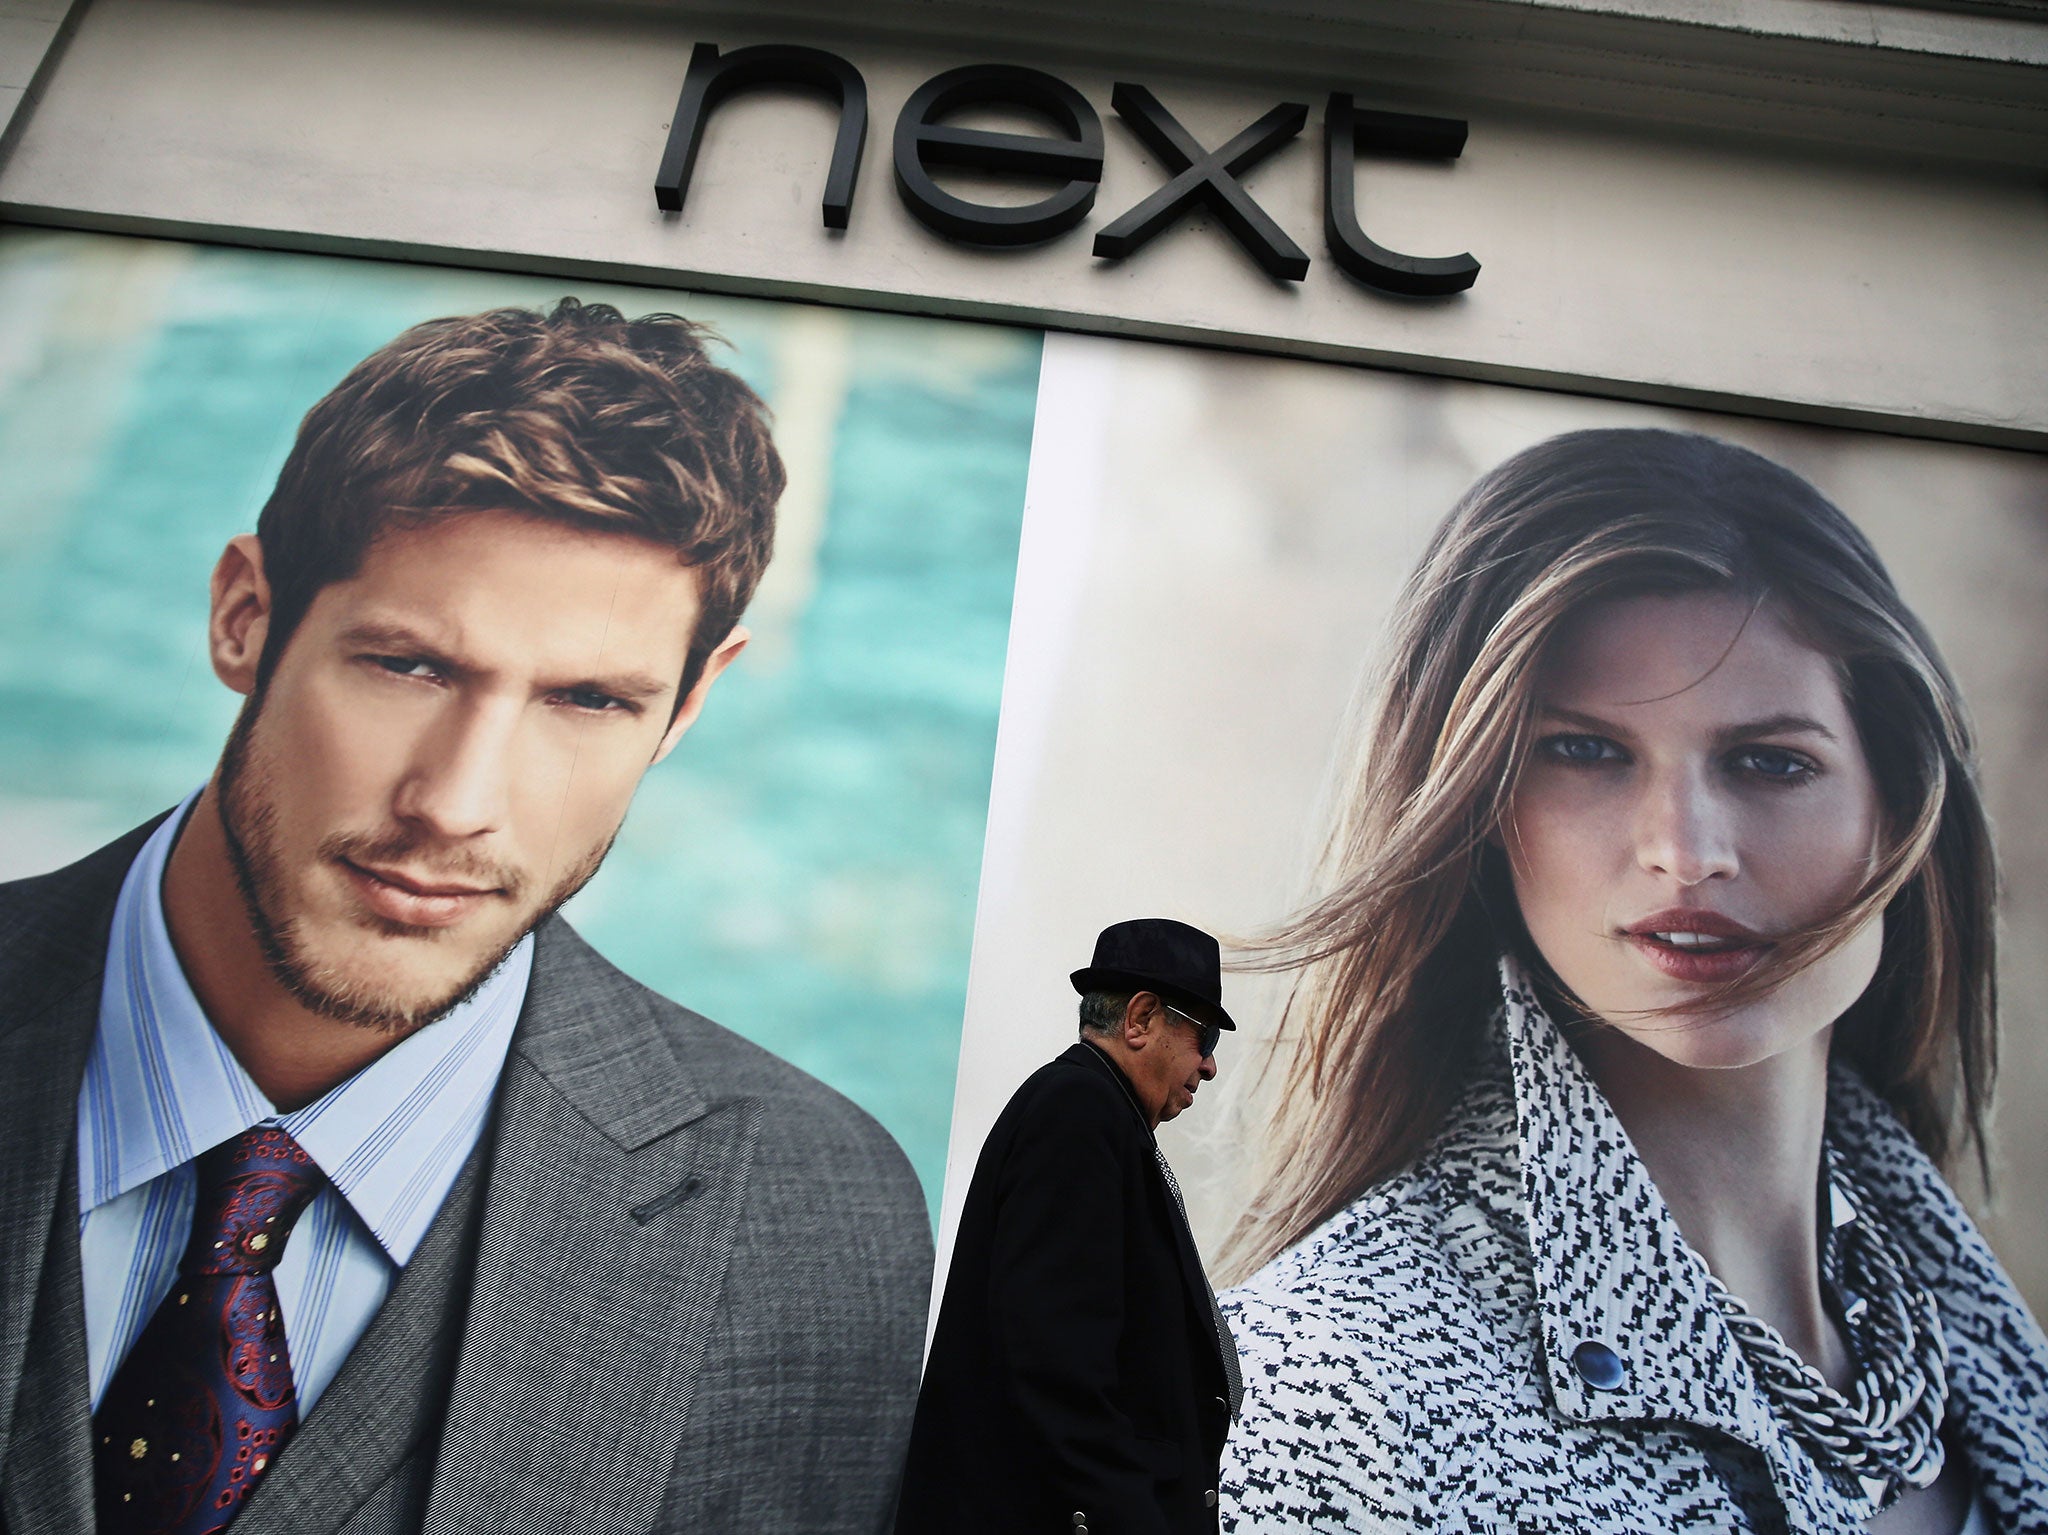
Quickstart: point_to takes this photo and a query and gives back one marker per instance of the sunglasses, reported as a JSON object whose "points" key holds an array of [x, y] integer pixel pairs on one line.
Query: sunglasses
{"points": [[1207, 1035]]}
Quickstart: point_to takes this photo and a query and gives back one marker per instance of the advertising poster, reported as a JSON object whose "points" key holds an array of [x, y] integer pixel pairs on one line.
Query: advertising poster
{"points": [[802, 870], [482, 1219], [1211, 555]]}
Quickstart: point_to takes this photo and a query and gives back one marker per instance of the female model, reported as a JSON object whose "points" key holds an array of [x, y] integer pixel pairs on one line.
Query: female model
{"points": [[1653, 972]]}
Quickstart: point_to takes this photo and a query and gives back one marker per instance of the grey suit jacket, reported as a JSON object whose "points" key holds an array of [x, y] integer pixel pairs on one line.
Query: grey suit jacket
{"points": [[696, 1278]]}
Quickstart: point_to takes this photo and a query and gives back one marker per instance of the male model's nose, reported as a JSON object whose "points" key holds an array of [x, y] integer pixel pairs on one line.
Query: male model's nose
{"points": [[458, 783]]}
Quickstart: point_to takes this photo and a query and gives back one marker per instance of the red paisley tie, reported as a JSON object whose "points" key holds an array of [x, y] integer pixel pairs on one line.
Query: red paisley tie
{"points": [[204, 1401]]}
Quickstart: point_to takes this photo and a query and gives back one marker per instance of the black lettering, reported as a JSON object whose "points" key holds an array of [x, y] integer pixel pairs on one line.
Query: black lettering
{"points": [[712, 78], [1348, 132], [923, 141], [1207, 178]]}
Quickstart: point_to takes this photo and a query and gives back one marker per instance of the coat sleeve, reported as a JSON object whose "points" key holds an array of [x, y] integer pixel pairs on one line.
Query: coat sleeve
{"points": [[1056, 1309], [1319, 1446]]}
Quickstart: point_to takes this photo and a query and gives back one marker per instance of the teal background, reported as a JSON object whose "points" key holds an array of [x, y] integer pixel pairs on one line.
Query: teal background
{"points": [[803, 869]]}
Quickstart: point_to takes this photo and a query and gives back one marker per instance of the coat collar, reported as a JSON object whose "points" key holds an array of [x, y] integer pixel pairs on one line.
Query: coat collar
{"points": [[1086, 1053], [1997, 1355], [1611, 1267]]}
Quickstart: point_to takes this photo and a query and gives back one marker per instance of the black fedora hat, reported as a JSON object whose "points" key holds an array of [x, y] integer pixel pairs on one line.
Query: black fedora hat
{"points": [[1179, 963]]}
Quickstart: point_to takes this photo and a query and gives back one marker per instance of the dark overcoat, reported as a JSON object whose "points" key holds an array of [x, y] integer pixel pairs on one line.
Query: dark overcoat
{"points": [[1075, 1380]]}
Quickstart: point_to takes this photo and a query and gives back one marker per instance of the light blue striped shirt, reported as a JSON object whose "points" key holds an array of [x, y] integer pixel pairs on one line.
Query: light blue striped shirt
{"points": [[160, 1088]]}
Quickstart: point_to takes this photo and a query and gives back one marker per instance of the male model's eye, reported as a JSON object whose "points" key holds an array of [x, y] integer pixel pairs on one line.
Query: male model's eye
{"points": [[1775, 764], [405, 666], [594, 701], [1581, 750]]}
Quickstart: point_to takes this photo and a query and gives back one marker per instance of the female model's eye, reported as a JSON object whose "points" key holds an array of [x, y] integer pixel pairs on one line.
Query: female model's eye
{"points": [[1776, 764], [1582, 750]]}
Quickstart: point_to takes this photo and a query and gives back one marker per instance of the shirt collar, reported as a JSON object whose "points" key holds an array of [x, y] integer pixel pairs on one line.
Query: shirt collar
{"points": [[161, 1086]]}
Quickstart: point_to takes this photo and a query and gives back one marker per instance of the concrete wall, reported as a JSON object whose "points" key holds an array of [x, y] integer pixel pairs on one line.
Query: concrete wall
{"points": [[31, 36], [1700, 265]]}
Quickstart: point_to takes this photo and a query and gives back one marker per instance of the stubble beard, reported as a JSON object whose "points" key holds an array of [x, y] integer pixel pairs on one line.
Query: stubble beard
{"points": [[248, 818]]}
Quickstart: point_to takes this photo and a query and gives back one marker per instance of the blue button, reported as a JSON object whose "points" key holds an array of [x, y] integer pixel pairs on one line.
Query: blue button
{"points": [[1599, 1366]]}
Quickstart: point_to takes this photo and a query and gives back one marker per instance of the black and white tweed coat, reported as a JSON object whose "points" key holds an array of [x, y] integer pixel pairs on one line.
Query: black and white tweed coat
{"points": [[1408, 1365]]}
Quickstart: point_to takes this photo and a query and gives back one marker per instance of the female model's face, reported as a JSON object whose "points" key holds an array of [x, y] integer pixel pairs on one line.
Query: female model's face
{"points": [[1698, 792]]}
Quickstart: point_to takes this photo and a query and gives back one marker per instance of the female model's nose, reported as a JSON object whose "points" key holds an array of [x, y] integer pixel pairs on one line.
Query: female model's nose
{"points": [[1684, 830]]}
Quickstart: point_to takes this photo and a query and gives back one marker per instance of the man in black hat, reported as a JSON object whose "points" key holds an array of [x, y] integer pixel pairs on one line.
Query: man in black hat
{"points": [[1081, 1379]]}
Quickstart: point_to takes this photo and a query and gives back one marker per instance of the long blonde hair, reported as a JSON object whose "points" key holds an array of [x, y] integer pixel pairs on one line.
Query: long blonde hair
{"points": [[1394, 958]]}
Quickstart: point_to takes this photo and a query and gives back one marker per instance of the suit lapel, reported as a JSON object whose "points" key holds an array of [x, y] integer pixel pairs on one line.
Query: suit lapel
{"points": [[53, 950], [386, 1404], [49, 1487], [613, 1203], [40, 1065]]}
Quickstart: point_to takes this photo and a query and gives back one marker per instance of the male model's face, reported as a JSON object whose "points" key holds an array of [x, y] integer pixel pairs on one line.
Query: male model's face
{"points": [[445, 751]]}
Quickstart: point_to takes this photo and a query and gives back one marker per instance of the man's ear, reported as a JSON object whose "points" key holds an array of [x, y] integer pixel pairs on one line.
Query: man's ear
{"points": [[693, 701], [1140, 1013], [240, 620]]}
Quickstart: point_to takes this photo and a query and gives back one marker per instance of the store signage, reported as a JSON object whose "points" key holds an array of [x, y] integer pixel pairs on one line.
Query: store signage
{"points": [[1070, 157]]}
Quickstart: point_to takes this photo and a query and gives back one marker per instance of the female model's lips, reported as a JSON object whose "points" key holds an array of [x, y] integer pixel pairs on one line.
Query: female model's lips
{"points": [[411, 900], [1692, 944]]}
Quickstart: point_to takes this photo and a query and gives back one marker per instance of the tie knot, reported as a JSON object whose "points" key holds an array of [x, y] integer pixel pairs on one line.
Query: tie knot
{"points": [[251, 1190]]}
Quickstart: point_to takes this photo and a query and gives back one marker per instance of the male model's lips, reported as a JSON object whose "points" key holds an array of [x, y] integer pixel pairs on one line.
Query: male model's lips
{"points": [[1690, 943], [414, 901]]}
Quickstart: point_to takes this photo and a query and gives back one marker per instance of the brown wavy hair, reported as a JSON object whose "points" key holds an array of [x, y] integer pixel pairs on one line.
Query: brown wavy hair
{"points": [[1394, 957], [577, 415]]}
